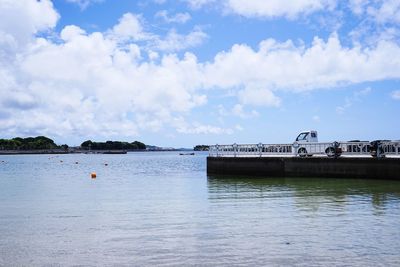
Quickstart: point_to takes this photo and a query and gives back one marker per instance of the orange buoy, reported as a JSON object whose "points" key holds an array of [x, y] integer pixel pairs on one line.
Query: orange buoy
{"points": [[93, 175]]}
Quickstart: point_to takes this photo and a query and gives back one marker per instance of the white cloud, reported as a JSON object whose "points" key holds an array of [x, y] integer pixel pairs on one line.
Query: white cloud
{"points": [[177, 18], [378, 21], [198, 3], [238, 127], [316, 118], [153, 55], [130, 27], [358, 6], [20, 20], [387, 11], [362, 93], [88, 84], [278, 8], [379, 11], [83, 4], [382, 11], [356, 97], [267, 9], [341, 109], [222, 111], [71, 32], [238, 110], [175, 41], [258, 97], [198, 128], [396, 94], [284, 66]]}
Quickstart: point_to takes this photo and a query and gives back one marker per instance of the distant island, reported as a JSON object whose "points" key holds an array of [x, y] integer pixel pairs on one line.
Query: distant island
{"points": [[113, 145], [30, 143], [201, 148]]}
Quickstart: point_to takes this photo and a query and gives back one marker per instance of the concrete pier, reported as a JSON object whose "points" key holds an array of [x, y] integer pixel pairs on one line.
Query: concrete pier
{"points": [[363, 168]]}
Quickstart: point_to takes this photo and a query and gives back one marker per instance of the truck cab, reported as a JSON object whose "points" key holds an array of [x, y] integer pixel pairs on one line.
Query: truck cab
{"points": [[307, 137]]}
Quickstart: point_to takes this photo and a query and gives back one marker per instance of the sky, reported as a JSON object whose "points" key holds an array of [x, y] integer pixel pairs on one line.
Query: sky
{"points": [[187, 72]]}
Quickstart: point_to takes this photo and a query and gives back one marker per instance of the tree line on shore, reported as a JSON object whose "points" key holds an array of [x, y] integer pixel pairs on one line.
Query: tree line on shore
{"points": [[29, 143], [43, 143], [201, 148], [109, 145]]}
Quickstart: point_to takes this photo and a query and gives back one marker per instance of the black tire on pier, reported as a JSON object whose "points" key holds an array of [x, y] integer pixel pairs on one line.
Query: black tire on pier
{"points": [[330, 152], [302, 152]]}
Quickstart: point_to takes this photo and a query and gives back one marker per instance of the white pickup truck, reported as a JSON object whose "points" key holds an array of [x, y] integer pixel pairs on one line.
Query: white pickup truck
{"points": [[306, 144]]}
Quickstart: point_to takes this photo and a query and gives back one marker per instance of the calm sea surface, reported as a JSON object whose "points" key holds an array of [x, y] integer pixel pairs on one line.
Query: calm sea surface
{"points": [[161, 209]]}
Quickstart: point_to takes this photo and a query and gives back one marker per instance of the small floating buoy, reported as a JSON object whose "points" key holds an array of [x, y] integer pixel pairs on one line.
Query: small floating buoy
{"points": [[61, 161], [105, 164], [76, 162], [93, 175]]}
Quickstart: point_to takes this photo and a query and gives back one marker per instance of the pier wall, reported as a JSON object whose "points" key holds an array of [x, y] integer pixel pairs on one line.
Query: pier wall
{"points": [[364, 168]]}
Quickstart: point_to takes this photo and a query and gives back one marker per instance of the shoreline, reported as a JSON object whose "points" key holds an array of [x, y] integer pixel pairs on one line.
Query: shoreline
{"points": [[33, 152], [59, 151]]}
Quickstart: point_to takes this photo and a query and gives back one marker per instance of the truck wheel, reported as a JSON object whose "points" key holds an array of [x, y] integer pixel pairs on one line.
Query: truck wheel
{"points": [[330, 152], [302, 152]]}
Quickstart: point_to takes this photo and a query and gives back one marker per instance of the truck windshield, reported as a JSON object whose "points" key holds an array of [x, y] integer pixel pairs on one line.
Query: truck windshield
{"points": [[302, 136]]}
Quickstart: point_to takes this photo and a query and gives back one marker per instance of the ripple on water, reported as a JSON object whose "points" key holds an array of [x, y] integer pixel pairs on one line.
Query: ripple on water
{"points": [[161, 209]]}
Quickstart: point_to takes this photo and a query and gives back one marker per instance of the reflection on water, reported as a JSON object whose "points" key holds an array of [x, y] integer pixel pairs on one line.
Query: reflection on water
{"points": [[308, 194], [323, 222]]}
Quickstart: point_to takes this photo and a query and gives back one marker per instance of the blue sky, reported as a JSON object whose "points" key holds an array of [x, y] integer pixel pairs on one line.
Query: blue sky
{"points": [[186, 72]]}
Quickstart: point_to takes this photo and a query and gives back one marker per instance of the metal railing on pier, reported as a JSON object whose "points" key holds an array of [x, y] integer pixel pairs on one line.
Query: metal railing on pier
{"points": [[330, 149]]}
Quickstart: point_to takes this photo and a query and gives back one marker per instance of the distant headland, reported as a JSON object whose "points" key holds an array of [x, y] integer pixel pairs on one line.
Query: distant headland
{"points": [[201, 148], [45, 145], [31, 145]]}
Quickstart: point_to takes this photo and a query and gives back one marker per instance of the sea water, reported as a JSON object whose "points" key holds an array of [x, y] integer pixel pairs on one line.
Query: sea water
{"points": [[161, 209]]}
